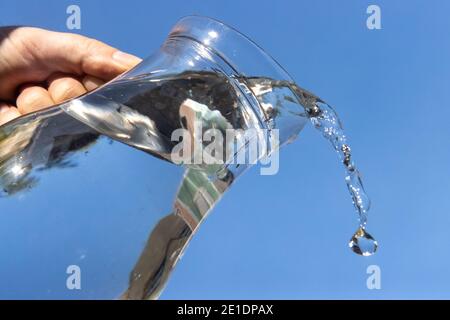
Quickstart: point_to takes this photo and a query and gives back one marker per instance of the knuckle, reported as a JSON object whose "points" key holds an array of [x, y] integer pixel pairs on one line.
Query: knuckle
{"points": [[64, 89], [31, 96]]}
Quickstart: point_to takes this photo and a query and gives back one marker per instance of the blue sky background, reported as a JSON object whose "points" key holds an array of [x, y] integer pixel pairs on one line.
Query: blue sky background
{"points": [[285, 236]]}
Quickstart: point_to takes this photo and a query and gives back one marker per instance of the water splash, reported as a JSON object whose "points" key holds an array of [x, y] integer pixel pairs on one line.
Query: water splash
{"points": [[325, 120]]}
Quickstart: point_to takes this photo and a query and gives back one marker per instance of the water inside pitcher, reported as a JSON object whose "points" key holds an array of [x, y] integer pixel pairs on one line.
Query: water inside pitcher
{"points": [[92, 182]]}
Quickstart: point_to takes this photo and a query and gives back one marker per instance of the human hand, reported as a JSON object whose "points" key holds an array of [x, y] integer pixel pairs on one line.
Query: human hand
{"points": [[39, 68]]}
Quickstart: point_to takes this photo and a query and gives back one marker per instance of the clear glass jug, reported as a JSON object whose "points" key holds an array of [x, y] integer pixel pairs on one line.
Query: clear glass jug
{"points": [[92, 204]]}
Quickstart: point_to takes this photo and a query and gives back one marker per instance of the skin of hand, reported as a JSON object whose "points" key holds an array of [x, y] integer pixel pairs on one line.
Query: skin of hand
{"points": [[40, 68]]}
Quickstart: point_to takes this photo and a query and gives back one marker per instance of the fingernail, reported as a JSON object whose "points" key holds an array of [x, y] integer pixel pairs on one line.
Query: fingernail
{"points": [[125, 59]]}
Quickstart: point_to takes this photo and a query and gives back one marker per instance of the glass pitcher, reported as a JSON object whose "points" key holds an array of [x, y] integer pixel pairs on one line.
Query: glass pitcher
{"points": [[92, 203]]}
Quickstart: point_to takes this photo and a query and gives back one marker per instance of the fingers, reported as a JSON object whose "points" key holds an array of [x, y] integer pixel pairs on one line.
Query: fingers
{"points": [[7, 113], [33, 98], [31, 55], [63, 87], [35, 54], [91, 83]]}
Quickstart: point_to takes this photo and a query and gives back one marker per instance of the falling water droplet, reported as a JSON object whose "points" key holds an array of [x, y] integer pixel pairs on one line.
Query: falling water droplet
{"points": [[363, 243]]}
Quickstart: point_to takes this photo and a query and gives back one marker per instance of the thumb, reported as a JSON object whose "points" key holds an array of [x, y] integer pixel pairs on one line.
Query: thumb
{"points": [[78, 54]]}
